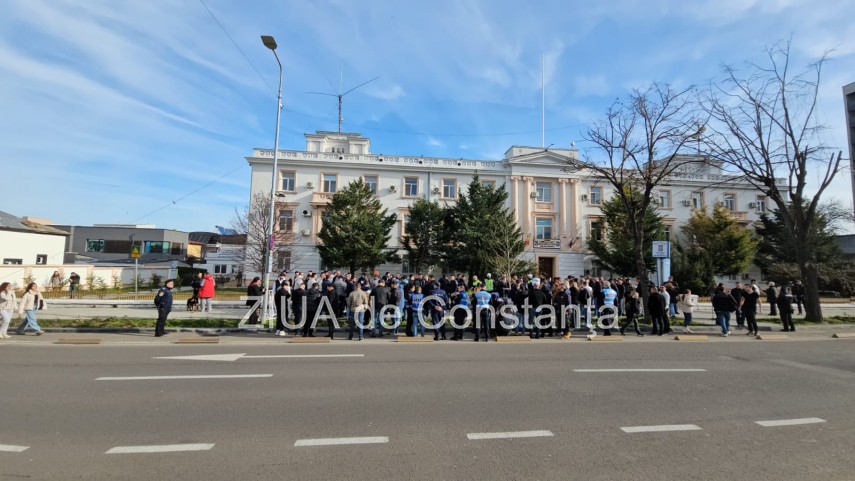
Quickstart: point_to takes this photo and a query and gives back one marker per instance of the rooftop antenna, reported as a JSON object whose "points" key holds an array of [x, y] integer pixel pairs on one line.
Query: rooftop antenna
{"points": [[339, 93]]}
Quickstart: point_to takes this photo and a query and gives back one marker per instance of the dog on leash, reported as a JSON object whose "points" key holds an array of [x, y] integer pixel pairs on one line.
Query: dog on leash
{"points": [[193, 304]]}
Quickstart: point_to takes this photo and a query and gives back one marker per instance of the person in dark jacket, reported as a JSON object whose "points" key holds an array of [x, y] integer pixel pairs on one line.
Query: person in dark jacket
{"points": [[297, 297], [281, 296], [163, 301], [332, 296], [799, 295], [254, 291], [460, 298], [785, 308], [632, 304], [750, 305], [379, 298], [536, 297], [772, 298], [519, 293], [313, 304], [437, 310], [737, 293], [723, 304], [658, 311]]}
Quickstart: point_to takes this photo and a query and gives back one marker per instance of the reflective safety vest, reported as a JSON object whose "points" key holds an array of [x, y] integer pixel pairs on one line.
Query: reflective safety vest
{"points": [[489, 284]]}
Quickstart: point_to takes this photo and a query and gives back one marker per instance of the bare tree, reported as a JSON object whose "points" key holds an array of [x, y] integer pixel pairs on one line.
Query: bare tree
{"points": [[503, 254], [762, 124], [253, 222], [643, 139]]}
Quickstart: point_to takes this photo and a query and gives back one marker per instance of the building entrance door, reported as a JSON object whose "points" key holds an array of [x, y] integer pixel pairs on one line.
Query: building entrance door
{"points": [[546, 266]]}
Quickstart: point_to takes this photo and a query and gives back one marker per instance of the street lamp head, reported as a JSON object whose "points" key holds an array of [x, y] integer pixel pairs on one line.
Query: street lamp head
{"points": [[269, 41]]}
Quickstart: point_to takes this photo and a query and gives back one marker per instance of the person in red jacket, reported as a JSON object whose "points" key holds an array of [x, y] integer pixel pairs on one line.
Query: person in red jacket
{"points": [[206, 291]]}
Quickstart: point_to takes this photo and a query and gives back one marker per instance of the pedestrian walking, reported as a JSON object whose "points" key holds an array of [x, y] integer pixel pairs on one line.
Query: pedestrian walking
{"points": [[163, 301], [737, 293], [785, 308], [750, 306], [206, 292], [723, 304], [197, 286], [632, 309], [73, 285], [686, 303], [31, 302], [8, 305], [799, 295]]}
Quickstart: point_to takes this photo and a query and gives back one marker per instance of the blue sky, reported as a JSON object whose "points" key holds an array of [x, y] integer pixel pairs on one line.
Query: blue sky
{"points": [[143, 112]]}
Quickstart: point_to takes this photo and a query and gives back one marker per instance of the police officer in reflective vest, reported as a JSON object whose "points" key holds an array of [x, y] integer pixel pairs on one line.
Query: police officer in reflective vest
{"points": [[163, 301]]}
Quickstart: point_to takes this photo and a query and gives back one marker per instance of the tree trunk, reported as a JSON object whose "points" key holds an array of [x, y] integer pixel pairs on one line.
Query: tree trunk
{"points": [[813, 310]]}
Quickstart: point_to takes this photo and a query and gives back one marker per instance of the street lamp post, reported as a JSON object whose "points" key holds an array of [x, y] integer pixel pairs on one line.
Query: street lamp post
{"points": [[270, 43]]}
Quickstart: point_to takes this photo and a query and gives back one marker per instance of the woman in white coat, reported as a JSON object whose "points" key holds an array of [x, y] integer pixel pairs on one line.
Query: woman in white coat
{"points": [[30, 303], [8, 305], [686, 303]]}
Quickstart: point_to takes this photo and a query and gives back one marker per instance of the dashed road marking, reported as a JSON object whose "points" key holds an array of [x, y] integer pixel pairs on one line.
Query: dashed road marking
{"points": [[340, 441], [162, 448], [661, 429], [639, 370], [160, 378], [10, 448], [509, 435], [789, 422]]}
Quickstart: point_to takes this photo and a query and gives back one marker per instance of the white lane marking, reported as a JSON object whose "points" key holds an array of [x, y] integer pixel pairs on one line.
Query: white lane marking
{"points": [[661, 429], [339, 441], [159, 378], [235, 357], [163, 448], [509, 435], [297, 356], [10, 448], [639, 370], [789, 422]]}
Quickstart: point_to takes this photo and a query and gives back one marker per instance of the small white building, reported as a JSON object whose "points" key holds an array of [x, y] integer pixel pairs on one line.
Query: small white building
{"points": [[557, 210], [24, 241]]}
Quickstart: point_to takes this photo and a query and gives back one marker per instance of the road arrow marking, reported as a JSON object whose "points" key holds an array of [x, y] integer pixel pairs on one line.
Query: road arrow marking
{"points": [[235, 357]]}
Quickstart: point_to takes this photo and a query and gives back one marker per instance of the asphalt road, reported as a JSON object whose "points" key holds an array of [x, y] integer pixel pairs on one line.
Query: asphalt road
{"points": [[421, 409]]}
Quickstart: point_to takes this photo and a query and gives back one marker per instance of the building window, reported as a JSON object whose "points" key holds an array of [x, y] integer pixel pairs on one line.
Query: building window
{"points": [[761, 204], [94, 245], [697, 200], [666, 233], [13, 261], [411, 186], [543, 228], [177, 249], [596, 195], [597, 230], [730, 201], [286, 220], [330, 182], [488, 184], [156, 247], [41, 259], [371, 183], [283, 260], [220, 269], [664, 199], [289, 181], [449, 188], [544, 191]]}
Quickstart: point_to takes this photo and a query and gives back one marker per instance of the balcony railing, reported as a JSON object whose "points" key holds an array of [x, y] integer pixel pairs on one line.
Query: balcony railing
{"points": [[547, 243], [738, 216]]}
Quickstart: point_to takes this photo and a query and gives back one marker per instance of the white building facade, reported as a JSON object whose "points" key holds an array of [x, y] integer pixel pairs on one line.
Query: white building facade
{"points": [[556, 209]]}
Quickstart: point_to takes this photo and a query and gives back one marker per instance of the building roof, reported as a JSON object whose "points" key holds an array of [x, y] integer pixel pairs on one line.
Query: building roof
{"points": [[215, 238], [10, 222]]}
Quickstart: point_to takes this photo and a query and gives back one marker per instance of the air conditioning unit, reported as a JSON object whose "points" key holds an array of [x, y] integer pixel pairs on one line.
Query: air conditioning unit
{"points": [[392, 189], [307, 213], [533, 195], [584, 198], [687, 203], [436, 190], [305, 232], [752, 205], [721, 204], [310, 185]]}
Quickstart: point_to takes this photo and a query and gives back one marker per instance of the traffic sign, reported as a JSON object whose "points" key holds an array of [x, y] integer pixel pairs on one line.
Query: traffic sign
{"points": [[135, 252], [661, 249]]}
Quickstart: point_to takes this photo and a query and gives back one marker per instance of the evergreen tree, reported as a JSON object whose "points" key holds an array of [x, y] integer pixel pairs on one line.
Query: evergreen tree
{"points": [[477, 225], [424, 239], [725, 247], [616, 249], [356, 230]]}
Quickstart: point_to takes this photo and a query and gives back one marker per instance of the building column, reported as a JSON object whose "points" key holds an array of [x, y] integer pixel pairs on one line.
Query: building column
{"points": [[515, 200], [527, 207], [574, 211], [562, 212]]}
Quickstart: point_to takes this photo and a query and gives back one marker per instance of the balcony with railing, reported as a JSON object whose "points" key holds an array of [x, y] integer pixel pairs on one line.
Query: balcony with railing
{"points": [[547, 243], [322, 198], [738, 216]]}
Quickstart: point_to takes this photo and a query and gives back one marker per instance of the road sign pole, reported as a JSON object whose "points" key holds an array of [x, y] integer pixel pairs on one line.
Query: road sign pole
{"points": [[136, 276]]}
